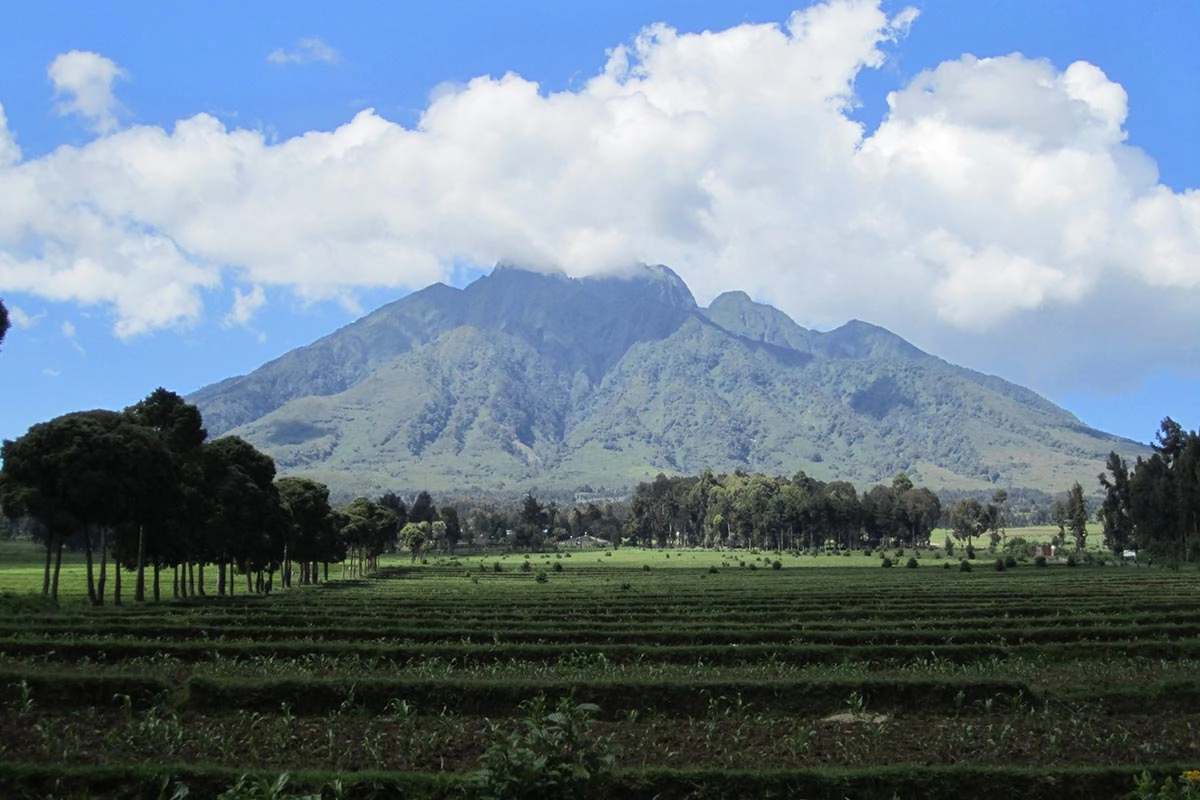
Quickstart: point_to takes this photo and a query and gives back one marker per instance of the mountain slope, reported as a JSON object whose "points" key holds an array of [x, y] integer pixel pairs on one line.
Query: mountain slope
{"points": [[524, 380]]}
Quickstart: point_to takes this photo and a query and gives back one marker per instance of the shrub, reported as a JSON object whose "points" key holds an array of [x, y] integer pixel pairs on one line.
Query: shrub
{"points": [[912, 563], [712, 570], [949, 547], [945, 565], [1040, 561], [548, 754], [645, 567], [1071, 560], [526, 566], [970, 551], [1000, 566], [964, 566], [497, 567], [558, 567], [1009, 561], [541, 576], [887, 562], [777, 564]]}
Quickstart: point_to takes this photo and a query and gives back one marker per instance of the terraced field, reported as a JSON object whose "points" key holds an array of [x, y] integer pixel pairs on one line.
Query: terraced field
{"points": [[647, 674]]}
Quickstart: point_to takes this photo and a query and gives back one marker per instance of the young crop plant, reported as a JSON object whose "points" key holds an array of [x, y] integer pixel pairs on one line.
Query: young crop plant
{"points": [[549, 754]]}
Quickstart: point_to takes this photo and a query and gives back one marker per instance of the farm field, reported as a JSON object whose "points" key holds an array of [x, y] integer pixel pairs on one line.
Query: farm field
{"points": [[665, 674]]}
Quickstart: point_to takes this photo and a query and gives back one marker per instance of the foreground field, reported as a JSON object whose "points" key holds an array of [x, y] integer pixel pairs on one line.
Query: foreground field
{"points": [[660, 674]]}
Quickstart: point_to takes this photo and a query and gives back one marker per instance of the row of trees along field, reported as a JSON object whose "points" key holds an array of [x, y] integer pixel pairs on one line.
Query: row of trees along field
{"points": [[779, 513], [1155, 505], [147, 488]]}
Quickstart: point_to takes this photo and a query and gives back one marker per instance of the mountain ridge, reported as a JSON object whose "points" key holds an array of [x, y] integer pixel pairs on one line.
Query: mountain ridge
{"points": [[524, 379]]}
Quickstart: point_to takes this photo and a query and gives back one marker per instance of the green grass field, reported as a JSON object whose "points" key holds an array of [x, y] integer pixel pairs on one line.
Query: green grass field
{"points": [[657, 673]]}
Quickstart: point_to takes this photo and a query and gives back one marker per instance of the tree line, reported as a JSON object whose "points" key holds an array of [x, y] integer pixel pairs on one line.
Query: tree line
{"points": [[146, 488], [1155, 504], [779, 513]]}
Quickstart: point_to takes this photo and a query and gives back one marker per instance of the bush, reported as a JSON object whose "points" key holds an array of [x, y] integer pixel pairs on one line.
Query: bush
{"points": [[777, 564], [1040, 561], [558, 567], [548, 754], [497, 567], [1071, 560], [1009, 561], [541, 576], [912, 563], [645, 567], [713, 570], [964, 566], [887, 562], [970, 551], [945, 565], [1000, 566], [526, 566]]}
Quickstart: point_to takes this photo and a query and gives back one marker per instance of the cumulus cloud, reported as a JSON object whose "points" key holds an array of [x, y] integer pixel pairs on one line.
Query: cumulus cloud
{"points": [[83, 85], [309, 50], [998, 200]]}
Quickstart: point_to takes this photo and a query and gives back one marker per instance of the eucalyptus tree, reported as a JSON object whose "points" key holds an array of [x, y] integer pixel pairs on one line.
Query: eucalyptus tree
{"points": [[311, 533], [245, 522], [179, 425], [367, 529], [86, 471]]}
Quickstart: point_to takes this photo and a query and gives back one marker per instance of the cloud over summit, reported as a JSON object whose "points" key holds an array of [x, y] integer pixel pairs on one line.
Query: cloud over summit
{"points": [[997, 194]]}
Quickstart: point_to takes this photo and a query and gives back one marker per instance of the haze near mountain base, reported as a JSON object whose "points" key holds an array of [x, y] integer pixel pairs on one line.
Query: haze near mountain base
{"points": [[525, 380]]}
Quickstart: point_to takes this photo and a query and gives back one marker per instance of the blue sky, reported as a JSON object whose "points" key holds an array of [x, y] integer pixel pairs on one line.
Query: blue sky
{"points": [[188, 190]]}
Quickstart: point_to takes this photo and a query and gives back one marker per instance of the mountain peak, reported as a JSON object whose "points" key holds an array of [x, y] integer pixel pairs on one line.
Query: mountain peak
{"points": [[533, 378]]}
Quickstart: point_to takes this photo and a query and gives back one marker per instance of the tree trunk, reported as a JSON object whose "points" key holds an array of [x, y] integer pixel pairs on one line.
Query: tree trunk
{"points": [[200, 578], [57, 568], [117, 573], [49, 558], [100, 584], [221, 578], [175, 582], [287, 567], [87, 554], [157, 592], [139, 590], [190, 591]]}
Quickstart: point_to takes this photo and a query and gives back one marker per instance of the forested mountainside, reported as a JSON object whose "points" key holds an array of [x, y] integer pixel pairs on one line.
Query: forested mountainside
{"points": [[524, 380]]}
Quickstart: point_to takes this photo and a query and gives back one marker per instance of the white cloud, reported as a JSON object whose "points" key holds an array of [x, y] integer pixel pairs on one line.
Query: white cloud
{"points": [[50, 372], [997, 201], [83, 84], [21, 319], [245, 305], [308, 50]]}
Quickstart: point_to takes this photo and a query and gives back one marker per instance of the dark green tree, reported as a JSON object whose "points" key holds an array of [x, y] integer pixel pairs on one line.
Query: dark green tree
{"points": [[1116, 509], [368, 528], [969, 518], [246, 523], [179, 425], [88, 471], [1077, 515], [311, 534], [423, 509], [454, 532], [4, 323]]}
